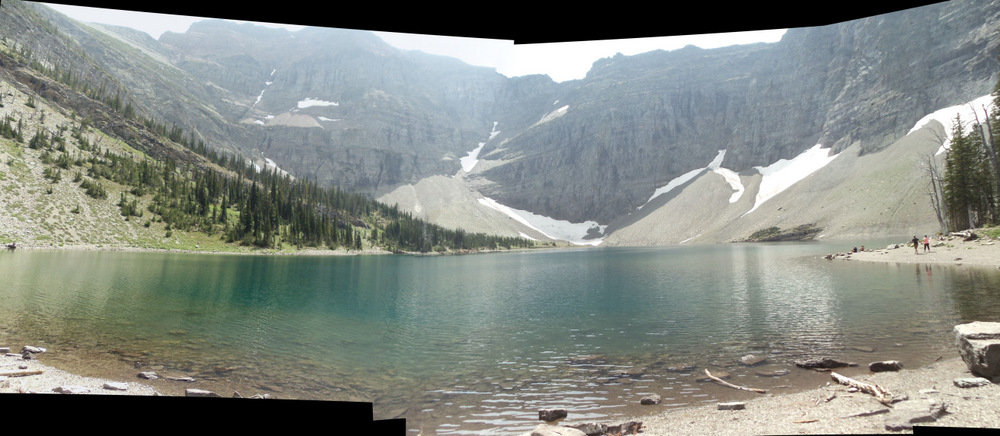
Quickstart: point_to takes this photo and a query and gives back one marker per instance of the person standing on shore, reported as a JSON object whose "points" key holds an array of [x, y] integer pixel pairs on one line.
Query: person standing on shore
{"points": [[916, 245], [927, 244]]}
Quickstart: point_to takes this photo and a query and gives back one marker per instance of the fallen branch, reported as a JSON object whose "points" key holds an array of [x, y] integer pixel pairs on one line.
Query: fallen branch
{"points": [[727, 384], [882, 395]]}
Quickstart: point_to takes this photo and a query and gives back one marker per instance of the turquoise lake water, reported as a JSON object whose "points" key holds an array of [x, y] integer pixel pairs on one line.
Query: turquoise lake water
{"points": [[475, 343]]}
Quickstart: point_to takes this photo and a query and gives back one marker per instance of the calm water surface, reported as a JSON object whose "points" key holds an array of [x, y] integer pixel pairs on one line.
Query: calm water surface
{"points": [[473, 344]]}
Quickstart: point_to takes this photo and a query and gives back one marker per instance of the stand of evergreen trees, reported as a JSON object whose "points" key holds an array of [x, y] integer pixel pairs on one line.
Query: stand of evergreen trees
{"points": [[971, 181]]}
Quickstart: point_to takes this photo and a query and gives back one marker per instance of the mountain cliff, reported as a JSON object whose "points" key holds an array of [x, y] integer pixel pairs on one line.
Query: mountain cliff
{"points": [[343, 108], [637, 122]]}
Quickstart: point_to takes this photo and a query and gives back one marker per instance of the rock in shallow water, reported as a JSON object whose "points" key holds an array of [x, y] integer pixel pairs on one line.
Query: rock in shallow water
{"points": [[751, 360], [549, 415], [824, 362], [650, 400]]}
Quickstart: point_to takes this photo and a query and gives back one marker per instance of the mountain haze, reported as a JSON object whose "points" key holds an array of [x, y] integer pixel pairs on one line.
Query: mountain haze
{"points": [[466, 147]]}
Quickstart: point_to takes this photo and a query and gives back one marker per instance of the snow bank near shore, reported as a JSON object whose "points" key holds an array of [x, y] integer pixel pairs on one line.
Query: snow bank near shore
{"points": [[574, 233]]}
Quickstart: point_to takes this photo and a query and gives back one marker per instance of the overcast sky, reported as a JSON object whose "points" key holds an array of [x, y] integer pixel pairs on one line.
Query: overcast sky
{"points": [[561, 61]]}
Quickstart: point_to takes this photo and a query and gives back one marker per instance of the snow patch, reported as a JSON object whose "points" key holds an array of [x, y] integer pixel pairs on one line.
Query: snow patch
{"points": [[689, 239], [553, 115], [311, 102], [521, 234], [967, 111], [784, 173], [552, 228], [714, 165], [469, 162], [734, 181]]}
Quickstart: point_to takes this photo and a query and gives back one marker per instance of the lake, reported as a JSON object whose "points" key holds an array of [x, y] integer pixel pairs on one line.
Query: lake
{"points": [[478, 343]]}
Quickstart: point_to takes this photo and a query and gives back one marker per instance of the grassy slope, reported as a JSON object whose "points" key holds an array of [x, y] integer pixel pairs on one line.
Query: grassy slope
{"points": [[38, 212]]}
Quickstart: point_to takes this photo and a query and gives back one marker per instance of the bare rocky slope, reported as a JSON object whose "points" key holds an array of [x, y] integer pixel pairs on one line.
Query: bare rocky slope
{"points": [[879, 194]]}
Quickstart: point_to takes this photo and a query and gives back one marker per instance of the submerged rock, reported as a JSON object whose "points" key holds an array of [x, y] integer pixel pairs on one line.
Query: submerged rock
{"points": [[650, 400], [682, 367], [775, 373], [824, 362], [751, 360]]}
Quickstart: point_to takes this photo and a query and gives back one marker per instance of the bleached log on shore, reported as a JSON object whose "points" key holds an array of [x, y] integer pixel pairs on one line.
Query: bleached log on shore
{"points": [[20, 373], [881, 394], [730, 385]]}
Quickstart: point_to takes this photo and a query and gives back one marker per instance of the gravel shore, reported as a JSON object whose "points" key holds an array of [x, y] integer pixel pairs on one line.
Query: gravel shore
{"points": [[833, 409], [31, 376]]}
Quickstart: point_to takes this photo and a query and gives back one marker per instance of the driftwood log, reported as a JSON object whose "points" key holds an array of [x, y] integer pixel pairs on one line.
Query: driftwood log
{"points": [[21, 373], [730, 385], [882, 395]]}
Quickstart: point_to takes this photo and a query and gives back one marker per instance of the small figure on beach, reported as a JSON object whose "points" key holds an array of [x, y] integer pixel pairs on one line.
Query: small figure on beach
{"points": [[927, 244], [916, 245]]}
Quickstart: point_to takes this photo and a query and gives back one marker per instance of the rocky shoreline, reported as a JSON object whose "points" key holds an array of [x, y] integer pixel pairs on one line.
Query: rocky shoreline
{"points": [[975, 249], [947, 395]]}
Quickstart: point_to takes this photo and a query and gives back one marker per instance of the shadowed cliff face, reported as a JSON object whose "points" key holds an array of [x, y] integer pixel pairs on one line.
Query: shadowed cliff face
{"points": [[341, 107], [637, 122]]}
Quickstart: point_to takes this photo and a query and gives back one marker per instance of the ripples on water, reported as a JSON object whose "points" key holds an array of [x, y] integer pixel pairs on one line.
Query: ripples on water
{"points": [[472, 344]]}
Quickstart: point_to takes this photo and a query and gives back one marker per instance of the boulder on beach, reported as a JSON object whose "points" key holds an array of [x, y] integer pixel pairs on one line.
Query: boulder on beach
{"points": [[979, 345], [885, 365]]}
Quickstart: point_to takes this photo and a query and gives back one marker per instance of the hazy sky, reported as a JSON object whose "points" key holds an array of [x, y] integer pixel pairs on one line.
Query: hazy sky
{"points": [[561, 61]]}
